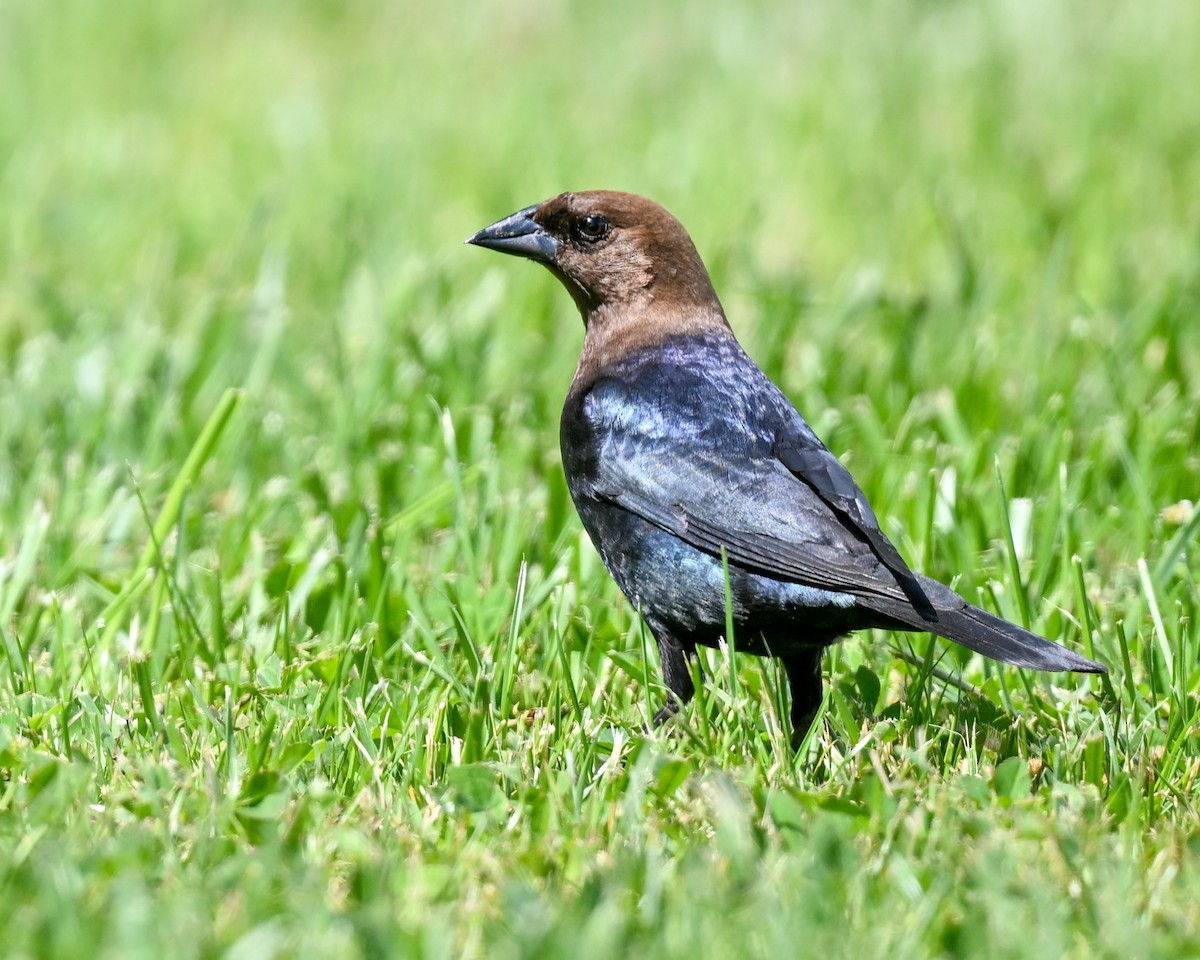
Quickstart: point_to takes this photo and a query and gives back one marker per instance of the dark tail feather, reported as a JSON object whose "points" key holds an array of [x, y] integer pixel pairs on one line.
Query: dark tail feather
{"points": [[1000, 640], [984, 633]]}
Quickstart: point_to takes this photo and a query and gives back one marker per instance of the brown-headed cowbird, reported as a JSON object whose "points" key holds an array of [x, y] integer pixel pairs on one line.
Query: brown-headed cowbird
{"points": [[684, 460]]}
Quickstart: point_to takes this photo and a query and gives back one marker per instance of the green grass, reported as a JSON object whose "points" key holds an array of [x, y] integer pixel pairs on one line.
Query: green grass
{"points": [[303, 651]]}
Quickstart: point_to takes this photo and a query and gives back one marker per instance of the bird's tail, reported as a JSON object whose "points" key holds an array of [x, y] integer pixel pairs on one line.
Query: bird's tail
{"points": [[978, 630]]}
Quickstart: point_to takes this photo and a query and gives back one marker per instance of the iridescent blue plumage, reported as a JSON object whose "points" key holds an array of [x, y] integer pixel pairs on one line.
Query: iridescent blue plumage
{"points": [[693, 423]]}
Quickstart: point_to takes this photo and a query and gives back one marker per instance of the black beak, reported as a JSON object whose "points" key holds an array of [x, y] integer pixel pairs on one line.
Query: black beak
{"points": [[520, 235]]}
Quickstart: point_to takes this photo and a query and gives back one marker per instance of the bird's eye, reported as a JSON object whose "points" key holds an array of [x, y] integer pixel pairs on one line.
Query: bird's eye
{"points": [[592, 228]]}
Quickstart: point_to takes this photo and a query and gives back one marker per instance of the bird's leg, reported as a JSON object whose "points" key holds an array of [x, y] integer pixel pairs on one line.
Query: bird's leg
{"points": [[804, 677], [677, 675]]}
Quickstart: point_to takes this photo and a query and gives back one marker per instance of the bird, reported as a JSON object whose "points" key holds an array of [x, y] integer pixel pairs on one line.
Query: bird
{"points": [[706, 493]]}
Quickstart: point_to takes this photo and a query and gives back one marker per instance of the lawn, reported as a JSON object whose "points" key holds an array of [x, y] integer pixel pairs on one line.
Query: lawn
{"points": [[303, 650]]}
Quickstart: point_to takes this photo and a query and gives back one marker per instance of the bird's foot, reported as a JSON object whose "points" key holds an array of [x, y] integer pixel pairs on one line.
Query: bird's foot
{"points": [[665, 713]]}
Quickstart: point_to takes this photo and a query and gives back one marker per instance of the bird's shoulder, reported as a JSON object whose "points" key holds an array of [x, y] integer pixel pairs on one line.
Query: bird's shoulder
{"points": [[691, 389]]}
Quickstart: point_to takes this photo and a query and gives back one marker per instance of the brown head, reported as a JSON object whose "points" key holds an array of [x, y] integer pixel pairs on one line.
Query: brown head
{"points": [[631, 268]]}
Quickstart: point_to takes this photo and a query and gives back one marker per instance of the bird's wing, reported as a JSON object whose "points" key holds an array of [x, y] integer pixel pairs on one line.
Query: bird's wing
{"points": [[809, 461], [708, 490]]}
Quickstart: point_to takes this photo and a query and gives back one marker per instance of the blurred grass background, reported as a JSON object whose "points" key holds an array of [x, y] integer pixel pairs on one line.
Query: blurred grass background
{"points": [[360, 687]]}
